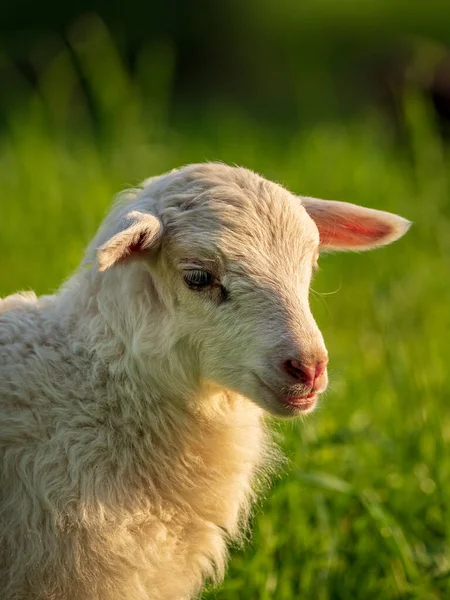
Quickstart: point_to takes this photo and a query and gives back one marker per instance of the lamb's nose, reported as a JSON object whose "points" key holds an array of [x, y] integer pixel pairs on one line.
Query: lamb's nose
{"points": [[302, 373]]}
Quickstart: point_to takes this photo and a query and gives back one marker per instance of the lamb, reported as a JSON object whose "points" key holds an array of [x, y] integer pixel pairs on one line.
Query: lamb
{"points": [[132, 402]]}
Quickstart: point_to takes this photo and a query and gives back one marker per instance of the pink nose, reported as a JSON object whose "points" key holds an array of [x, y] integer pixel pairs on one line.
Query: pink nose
{"points": [[305, 373]]}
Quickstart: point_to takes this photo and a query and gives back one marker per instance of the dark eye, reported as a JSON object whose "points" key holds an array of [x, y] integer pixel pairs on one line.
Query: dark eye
{"points": [[197, 279]]}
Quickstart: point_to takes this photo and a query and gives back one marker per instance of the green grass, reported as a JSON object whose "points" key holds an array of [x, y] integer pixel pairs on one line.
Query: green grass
{"points": [[361, 511]]}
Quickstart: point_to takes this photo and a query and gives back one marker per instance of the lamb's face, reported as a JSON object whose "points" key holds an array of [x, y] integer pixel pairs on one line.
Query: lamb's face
{"points": [[241, 262], [232, 256]]}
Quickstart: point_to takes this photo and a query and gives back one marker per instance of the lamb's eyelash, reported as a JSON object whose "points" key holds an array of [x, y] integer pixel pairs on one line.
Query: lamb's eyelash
{"points": [[204, 265]]}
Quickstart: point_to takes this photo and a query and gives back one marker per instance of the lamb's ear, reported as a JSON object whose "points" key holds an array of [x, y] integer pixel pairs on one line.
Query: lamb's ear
{"points": [[344, 226], [139, 231]]}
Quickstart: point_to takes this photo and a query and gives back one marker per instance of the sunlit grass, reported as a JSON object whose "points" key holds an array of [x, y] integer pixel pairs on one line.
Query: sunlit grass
{"points": [[361, 512]]}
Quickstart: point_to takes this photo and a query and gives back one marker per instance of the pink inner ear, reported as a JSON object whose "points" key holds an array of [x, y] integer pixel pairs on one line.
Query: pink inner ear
{"points": [[139, 245], [347, 232]]}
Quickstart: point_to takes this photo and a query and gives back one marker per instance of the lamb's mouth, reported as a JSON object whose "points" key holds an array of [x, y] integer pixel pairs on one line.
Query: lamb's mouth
{"points": [[291, 402], [300, 403]]}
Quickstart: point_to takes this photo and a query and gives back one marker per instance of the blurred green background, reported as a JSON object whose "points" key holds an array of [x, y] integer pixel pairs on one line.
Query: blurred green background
{"points": [[340, 100]]}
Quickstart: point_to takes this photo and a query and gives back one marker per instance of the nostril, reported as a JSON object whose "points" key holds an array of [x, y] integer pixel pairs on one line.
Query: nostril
{"points": [[299, 372], [305, 373]]}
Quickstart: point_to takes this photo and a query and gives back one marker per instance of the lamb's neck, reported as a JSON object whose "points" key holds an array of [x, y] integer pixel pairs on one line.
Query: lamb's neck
{"points": [[199, 459], [211, 456]]}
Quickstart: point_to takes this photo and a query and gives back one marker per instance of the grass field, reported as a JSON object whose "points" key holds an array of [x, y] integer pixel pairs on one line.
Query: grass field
{"points": [[362, 509]]}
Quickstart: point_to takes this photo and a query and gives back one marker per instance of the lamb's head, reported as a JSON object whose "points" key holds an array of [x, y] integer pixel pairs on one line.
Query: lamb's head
{"points": [[229, 257]]}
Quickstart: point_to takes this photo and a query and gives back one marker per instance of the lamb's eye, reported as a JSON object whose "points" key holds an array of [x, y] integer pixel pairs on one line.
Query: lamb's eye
{"points": [[197, 279]]}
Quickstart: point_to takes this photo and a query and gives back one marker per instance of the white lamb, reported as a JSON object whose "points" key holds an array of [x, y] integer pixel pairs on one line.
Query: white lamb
{"points": [[132, 434]]}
